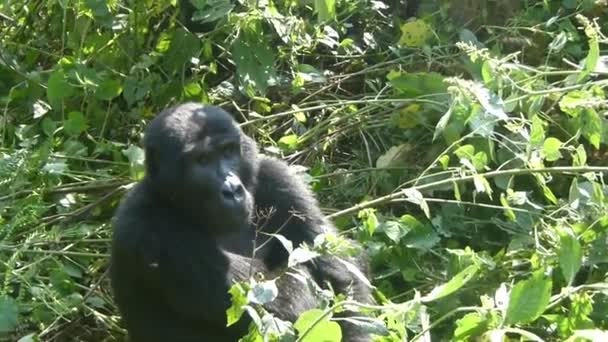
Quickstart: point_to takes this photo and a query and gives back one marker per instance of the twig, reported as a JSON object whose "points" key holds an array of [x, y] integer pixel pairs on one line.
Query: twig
{"points": [[385, 199]]}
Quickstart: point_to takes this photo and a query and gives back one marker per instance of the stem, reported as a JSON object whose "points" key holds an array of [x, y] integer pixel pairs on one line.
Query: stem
{"points": [[385, 199]]}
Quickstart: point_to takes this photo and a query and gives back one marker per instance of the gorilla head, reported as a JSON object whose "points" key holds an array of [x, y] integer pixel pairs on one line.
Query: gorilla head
{"points": [[200, 162]]}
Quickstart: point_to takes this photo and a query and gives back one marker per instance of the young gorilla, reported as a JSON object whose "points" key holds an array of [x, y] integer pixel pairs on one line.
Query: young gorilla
{"points": [[184, 233]]}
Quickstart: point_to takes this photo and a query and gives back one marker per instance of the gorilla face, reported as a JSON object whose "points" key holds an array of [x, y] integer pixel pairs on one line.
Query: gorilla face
{"points": [[196, 159]]}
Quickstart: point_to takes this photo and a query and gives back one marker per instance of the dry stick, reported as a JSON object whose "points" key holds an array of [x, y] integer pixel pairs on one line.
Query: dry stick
{"points": [[385, 199]]}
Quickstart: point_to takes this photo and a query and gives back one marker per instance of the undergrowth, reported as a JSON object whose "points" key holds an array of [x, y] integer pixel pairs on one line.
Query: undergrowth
{"points": [[465, 148]]}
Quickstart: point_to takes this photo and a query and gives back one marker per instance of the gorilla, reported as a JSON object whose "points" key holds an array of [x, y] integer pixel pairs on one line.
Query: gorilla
{"points": [[187, 231]]}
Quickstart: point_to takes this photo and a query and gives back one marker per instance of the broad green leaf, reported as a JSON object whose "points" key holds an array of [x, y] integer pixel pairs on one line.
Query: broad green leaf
{"points": [[444, 160], [453, 284], [48, 126], [575, 101], [407, 117], [551, 148], [183, 45], [592, 56], [108, 90], [417, 84], [415, 33], [420, 236], [579, 157], [288, 142], [414, 196], [323, 331], [394, 230], [192, 90], [465, 152], [537, 131], [239, 301], [211, 10], [591, 126], [369, 220], [58, 88], [570, 255], [471, 325], [9, 312], [326, 10], [529, 299], [480, 161], [75, 124], [254, 58]]}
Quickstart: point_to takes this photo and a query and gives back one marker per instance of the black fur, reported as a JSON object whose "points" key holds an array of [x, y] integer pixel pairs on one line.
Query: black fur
{"points": [[184, 233]]}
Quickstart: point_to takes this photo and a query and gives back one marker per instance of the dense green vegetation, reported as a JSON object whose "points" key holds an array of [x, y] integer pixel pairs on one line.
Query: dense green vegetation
{"points": [[464, 149]]}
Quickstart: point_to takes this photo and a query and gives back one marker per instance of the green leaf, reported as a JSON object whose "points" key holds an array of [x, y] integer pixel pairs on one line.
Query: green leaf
{"points": [[420, 236], [239, 301], [591, 126], [254, 58], [415, 33], [48, 126], [9, 313], [417, 84], [453, 285], [570, 255], [579, 157], [574, 102], [537, 132], [480, 161], [75, 124], [592, 56], [289, 142], [323, 331], [465, 152], [212, 10], [183, 45], [471, 325], [528, 299], [108, 89], [326, 10], [551, 148], [58, 89], [394, 230]]}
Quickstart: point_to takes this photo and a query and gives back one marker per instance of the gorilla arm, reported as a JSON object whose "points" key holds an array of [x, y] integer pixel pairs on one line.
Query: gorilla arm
{"points": [[296, 215]]}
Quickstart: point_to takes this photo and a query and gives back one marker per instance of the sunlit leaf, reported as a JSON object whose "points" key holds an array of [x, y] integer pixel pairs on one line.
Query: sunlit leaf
{"points": [[415, 33], [458, 281], [570, 255], [323, 331], [529, 299]]}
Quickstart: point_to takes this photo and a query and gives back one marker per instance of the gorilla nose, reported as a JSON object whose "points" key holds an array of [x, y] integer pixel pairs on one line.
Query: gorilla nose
{"points": [[232, 189]]}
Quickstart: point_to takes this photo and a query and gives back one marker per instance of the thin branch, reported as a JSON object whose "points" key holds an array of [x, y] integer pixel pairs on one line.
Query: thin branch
{"points": [[513, 172]]}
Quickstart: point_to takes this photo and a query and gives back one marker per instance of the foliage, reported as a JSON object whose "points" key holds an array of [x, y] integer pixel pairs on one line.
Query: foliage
{"points": [[464, 149]]}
